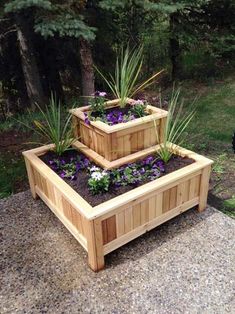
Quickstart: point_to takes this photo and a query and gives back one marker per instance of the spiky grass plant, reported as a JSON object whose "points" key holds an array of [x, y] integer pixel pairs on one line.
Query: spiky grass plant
{"points": [[55, 127], [124, 83], [177, 121]]}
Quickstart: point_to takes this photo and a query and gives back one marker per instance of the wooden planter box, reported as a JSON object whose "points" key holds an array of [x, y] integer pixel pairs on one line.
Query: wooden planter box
{"points": [[116, 141], [104, 228]]}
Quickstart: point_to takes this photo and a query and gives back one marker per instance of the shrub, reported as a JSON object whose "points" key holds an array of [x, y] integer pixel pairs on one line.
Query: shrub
{"points": [[124, 83], [55, 128], [176, 123]]}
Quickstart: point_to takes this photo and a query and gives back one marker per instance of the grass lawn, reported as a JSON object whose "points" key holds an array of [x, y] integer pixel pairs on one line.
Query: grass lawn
{"points": [[210, 134]]}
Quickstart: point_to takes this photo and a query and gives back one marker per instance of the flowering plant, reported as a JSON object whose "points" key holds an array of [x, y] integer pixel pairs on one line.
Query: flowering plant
{"points": [[133, 173], [139, 108], [99, 180], [69, 167], [97, 103], [97, 107]]}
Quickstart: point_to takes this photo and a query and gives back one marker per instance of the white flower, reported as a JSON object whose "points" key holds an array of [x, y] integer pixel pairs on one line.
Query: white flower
{"points": [[94, 168], [97, 175]]}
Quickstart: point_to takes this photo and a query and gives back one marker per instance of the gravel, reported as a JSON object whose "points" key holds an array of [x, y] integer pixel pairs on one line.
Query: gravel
{"points": [[183, 266]]}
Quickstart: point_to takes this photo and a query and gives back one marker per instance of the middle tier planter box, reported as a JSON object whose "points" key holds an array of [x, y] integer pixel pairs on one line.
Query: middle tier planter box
{"points": [[116, 141], [106, 227]]}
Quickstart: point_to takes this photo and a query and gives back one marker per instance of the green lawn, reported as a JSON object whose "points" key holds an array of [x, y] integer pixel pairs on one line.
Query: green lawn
{"points": [[211, 134], [215, 120], [13, 175]]}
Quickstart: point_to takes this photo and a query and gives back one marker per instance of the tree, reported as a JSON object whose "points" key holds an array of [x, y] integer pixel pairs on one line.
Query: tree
{"points": [[28, 62], [49, 19]]}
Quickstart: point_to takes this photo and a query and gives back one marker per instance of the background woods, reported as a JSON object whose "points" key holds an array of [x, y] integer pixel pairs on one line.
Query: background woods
{"points": [[52, 45]]}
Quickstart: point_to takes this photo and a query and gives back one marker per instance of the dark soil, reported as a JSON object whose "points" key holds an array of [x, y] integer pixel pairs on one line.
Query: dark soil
{"points": [[14, 141], [80, 184]]}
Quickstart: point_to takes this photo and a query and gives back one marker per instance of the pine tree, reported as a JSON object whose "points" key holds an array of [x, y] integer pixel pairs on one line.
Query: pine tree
{"points": [[49, 19]]}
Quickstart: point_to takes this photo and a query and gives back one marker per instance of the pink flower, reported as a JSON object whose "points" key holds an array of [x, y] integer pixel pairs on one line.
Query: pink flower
{"points": [[102, 94], [99, 94], [138, 102]]}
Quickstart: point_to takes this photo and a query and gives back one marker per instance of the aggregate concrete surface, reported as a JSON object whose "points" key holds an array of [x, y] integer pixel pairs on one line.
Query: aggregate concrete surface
{"points": [[186, 265]]}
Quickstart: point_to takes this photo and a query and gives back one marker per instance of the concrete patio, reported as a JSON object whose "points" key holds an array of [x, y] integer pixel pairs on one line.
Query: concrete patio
{"points": [[183, 266]]}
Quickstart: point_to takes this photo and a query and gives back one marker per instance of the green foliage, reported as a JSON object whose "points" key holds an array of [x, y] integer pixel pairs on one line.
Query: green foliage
{"points": [[215, 117], [53, 128], [17, 5], [54, 18], [97, 105], [12, 172], [129, 176], [124, 83], [64, 25], [128, 66], [176, 123], [25, 119], [193, 65], [139, 110], [230, 203], [219, 165]]}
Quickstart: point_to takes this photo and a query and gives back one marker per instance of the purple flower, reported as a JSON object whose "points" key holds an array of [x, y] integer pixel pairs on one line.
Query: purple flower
{"points": [[115, 117], [62, 174], [86, 162], [148, 160], [160, 165], [135, 172], [87, 121], [78, 166]]}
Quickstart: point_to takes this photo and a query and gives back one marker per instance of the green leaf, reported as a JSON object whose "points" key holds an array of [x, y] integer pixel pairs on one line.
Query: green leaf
{"points": [[17, 5]]}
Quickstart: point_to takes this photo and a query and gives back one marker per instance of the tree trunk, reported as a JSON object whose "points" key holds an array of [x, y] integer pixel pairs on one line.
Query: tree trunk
{"points": [[49, 66], [88, 85], [29, 64], [175, 51]]}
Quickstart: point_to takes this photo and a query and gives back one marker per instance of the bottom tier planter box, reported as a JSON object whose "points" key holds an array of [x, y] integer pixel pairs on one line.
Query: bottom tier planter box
{"points": [[108, 226]]}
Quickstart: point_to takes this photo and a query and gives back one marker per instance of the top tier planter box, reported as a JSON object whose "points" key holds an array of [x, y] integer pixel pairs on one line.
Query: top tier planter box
{"points": [[120, 140]]}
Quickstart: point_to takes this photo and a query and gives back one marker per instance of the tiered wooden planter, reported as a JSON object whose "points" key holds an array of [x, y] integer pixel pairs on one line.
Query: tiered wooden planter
{"points": [[104, 228], [117, 141]]}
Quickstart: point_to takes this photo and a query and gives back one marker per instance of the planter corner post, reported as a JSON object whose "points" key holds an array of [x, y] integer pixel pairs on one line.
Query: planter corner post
{"points": [[204, 186], [95, 245], [30, 177]]}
